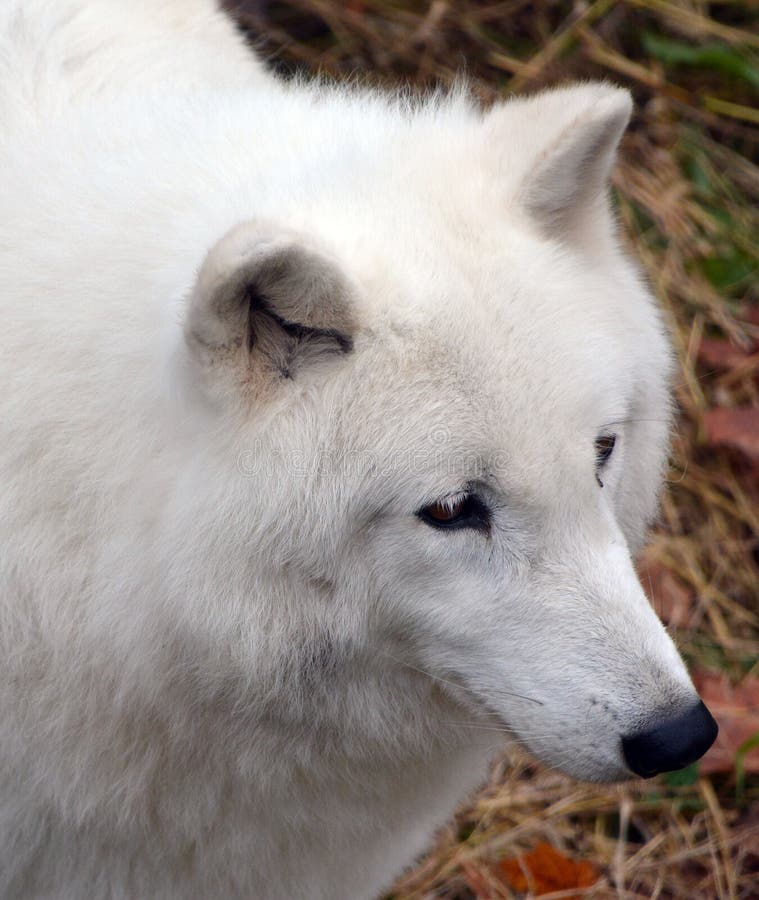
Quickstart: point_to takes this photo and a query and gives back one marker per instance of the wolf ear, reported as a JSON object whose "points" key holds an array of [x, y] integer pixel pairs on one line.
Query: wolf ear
{"points": [[266, 304], [567, 142]]}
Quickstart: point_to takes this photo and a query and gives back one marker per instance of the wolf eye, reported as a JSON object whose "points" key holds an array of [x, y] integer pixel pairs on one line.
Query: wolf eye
{"points": [[604, 448], [457, 511]]}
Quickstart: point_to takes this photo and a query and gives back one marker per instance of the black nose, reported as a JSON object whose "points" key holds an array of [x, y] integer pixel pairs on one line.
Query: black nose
{"points": [[671, 744]]}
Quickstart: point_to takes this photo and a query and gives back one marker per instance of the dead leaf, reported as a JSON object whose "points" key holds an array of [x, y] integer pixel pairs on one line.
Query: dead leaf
{"points": [[672, 600], [549, 870], [736, 709], [718, 353], [750, 313], [737, 428]]}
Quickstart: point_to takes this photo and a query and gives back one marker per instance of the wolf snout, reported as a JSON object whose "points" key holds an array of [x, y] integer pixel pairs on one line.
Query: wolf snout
{"points": [[672, 743]]}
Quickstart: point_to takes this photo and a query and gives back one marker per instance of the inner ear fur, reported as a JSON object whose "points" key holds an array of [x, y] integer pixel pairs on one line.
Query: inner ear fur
{"points": [[567, 140], [267, 300]]}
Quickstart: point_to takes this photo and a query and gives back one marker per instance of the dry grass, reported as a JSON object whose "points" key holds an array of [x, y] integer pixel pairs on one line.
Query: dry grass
{"points": [[688, 191]]}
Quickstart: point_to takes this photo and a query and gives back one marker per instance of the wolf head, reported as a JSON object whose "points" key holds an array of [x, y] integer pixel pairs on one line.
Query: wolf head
{"points": [[438, 395]]}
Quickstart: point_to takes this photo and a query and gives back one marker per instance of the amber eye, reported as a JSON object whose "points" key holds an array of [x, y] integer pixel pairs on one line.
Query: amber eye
{"points": [[457, 511], [445, 511], [604, 448]]}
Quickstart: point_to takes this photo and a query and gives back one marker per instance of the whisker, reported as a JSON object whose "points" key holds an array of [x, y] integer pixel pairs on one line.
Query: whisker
{"points": [[632, 421], [458, 686], [505, 728], [513, 738], [682, 475], [479, 727]]}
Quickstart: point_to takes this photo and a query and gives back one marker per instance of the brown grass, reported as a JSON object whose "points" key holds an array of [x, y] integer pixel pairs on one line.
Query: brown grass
{"points": [[687, 187]]}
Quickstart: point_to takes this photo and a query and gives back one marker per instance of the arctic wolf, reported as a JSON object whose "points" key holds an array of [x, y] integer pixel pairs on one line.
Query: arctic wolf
{"points": [[330, 420]]}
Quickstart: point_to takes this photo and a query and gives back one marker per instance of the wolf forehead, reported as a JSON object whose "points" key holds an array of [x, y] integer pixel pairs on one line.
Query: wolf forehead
{"points": [[504, 332], [453, 256], [474, 340]]}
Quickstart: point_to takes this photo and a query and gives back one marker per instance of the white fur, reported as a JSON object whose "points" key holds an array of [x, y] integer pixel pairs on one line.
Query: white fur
{"points": [[233, 660]]}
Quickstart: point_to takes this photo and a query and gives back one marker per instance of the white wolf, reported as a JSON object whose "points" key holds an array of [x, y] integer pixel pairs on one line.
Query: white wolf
{"points": [[329, 421]]}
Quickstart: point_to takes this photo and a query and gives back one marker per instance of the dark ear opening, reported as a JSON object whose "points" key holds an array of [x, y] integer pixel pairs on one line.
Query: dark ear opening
{"points": [[268, 303]]}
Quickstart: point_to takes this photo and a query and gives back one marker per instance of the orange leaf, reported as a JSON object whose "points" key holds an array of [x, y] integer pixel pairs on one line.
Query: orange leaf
{"points": [[718, 353], [736, 709], [737, 428], [549, 871]]}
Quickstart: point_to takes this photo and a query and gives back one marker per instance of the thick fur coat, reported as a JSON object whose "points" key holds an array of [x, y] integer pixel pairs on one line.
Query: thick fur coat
{"points": [[260, 343]]}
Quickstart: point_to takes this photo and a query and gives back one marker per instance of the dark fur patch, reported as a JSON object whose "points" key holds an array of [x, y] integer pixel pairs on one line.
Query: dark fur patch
{"points": [[288, 344], [285, 303]]}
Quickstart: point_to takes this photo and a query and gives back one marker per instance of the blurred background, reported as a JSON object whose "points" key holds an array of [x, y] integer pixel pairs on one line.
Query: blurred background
{"points": [[687, 194]]}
